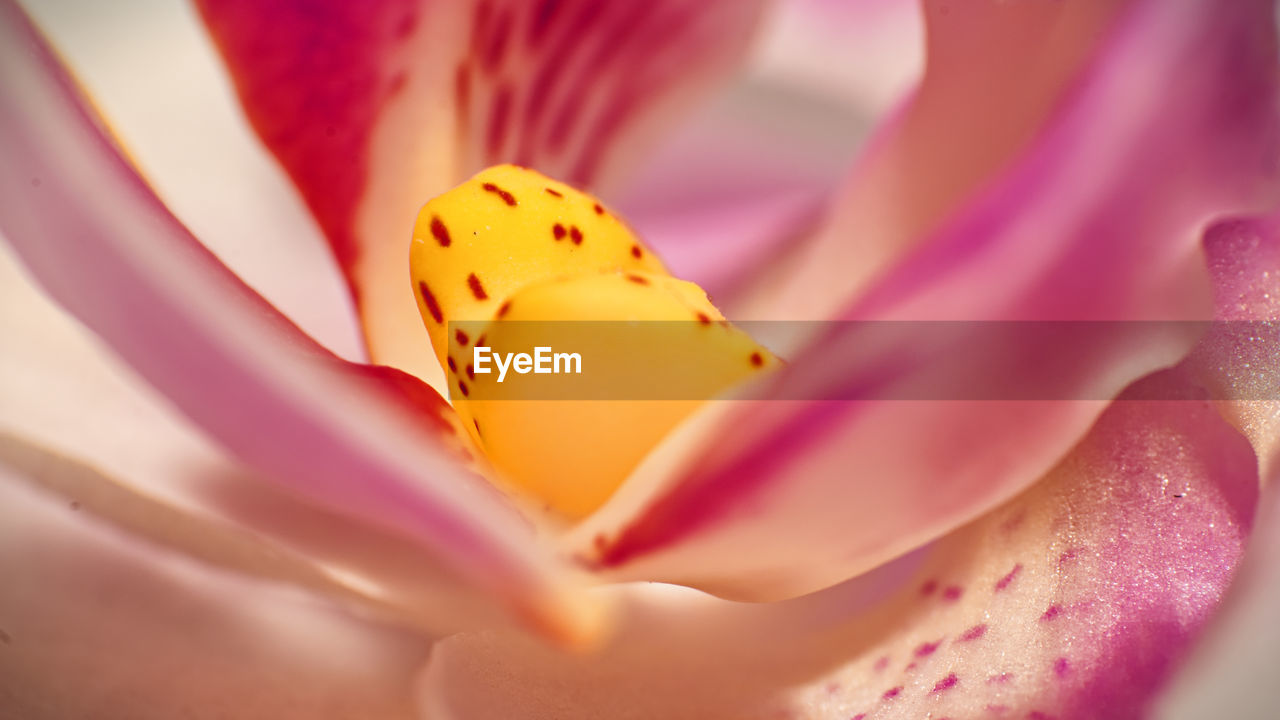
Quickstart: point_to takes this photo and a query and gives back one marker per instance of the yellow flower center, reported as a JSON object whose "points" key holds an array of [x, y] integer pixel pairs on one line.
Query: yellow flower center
{"points": [[500, 262]]}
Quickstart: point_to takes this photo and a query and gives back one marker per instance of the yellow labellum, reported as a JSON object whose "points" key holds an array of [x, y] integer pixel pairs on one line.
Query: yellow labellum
{"points": [[499, 262]]}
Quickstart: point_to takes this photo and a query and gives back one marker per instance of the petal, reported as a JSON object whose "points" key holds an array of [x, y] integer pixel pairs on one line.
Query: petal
{"points": [[1098, 221], [373, 110], [97, 624], [154, 73], [365, 442], [1074, 600]]}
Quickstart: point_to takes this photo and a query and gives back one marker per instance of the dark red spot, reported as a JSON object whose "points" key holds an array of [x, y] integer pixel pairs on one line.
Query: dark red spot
{"points": [[463, 387], [638, 280], [929, 587], [757, 359], [1003, 582], [453, 366], [575, 235], [636, 252], [471, 372], [927, 649], [461, 337], [480, 340], [946, 683], [1052, 612], [477, 424], [704, 318], [599, 210], [554, 192], [503, 308], [507, 197], [952, 593], [440, 232], [558, 231], [892, 693], [429, 300], [974, 633], [1061, 667], [477, 289]]}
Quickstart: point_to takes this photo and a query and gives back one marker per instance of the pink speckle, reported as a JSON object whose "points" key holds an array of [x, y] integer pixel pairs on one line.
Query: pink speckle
{"points": [[1066, 557], [952, 593], [1052, 612], [881, 664], [974, 633], [1061, 667], [1000, 679], [929, 588], [1003, 582], [910, 666], [892, 693], [833, 688], [927, 649], [859, 716], [1037, 715], [946, 683], [997, 709]]}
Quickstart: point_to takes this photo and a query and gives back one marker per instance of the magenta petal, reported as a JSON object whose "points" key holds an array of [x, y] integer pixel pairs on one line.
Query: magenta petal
{"points": [[375, 107], [1097, 221], [1075, 600], [341, 435]]}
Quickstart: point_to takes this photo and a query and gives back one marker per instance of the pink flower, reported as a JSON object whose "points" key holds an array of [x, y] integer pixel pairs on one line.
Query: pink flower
{"points": [[269, 529]]}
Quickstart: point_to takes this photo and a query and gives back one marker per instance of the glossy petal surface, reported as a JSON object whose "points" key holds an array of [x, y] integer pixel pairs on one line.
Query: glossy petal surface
{"points": [[377, 108], [1097, 220], [366, 442], [1074, 600]]}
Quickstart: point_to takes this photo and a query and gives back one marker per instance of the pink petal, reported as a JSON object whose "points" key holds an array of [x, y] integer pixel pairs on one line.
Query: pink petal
{"points": [[102, 438], [154, 74], [1074, 600], [96, 624], [365, 442], [374, 109], [1097, 221]]}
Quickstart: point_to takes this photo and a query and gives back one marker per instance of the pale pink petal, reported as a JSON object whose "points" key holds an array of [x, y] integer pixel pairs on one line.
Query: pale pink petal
{"points": [[375, 108], [97, 624], [153, 72], [1099, 220], [1076, 600], [365, 442]]}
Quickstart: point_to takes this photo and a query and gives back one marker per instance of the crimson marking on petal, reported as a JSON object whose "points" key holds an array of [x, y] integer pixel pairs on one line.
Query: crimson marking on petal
{"points": [[462, 95], [859, 716], [480, 340], [558, 231], [1003, 582], [461, 337], [636, 252], [477, 424], [477, 289], [892, 693], [974, 633], [599, 210], [929, 588], [1052, 612], [638, 279], [497, 45], [407, 25], [757, 359], [575, 235], [503, 308], [927, 649], [1038, 715], [440, 232], [453, 366], [507, 197], [466, 392], [554, 192], [499, 119], [471, 372], [704, 318], [1061, 667], [952, 593], [397, 83], [946, 683], [543, 15], [433, 307]]}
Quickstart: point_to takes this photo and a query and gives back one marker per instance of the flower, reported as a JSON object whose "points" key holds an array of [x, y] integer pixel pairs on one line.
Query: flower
{"points": [[1047, 167]]}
